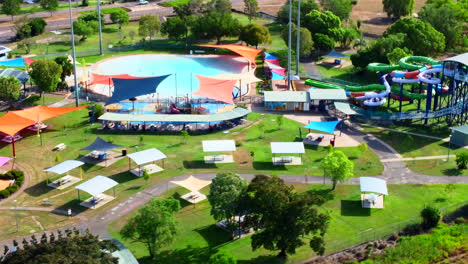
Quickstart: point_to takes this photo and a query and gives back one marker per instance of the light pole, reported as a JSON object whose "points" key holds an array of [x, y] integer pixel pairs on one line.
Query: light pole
{"points": [[101, 50], [289, 44], [77, 100], [16, 216], [298, 35]]}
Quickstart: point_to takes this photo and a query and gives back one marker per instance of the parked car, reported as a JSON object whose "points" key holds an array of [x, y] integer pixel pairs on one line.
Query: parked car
{"points": [[143, 2], [28, 2]]}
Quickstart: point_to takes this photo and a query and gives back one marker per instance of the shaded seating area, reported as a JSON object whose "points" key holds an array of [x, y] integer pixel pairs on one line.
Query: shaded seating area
{"points": [[101, 154], [287, 148], [144, 157], [194, 185], [64, 168], [325, 134], [96, 188], [219, 146], [372, 192]]}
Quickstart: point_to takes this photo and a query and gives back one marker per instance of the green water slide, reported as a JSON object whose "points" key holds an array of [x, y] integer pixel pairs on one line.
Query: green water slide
{"points": [[411, 63]]}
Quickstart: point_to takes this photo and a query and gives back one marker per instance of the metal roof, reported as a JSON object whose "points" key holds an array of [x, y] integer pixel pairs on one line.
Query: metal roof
{"points": [[65, 166], [286, 96], [345, 108], [147, 156], [22, 76], [461, 58], [328, 94], [218, 145], [97, 185], [461, 129], [235, 113], [373, 185], [287, 147]]}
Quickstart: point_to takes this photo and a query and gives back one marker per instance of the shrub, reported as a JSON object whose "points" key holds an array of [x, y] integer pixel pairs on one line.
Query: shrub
{"points": [[430, 216], [13, 188], [412, 229], [363, 147], [38, 26], [4, 194], [462, 160], [222, 257]]}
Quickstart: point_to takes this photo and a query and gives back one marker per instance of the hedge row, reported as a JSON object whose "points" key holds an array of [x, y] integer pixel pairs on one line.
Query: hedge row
{"points": [[16, 175]]}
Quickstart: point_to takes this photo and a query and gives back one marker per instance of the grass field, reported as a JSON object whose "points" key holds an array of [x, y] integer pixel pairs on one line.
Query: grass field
{"points": [[34, 100], [197, 236]]}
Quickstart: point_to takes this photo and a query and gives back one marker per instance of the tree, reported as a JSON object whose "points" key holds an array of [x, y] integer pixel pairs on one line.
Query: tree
{"points": [[462, 160], [215, 25], [323, 42], [22, 28], [92, 16], [420, 37], [198, 7], [9, 88], [11, 7], [221, 6], [348, 36], [225, 195], [306, 43], [341, 8], [46, 75], [49, 5], [146, 175], [67, 69], [174, 27], [184, 134], [37, 26], [398, 53], [149, 25], [154, 225], [254, 34], [325, 23], [85, 28], [430, 217], [27, 45], [398, 8], [251, 8], [120, 17], [222, 257], [284, 217], [337, 167], [360, 43], [279, 121], [306, 7]]}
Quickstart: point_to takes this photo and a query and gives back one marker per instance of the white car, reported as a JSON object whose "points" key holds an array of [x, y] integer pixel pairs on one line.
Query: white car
{"points": [[143, 2], [29, 2]]}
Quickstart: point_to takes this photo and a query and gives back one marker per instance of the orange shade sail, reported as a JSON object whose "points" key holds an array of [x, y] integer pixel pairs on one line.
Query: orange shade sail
{"points": [[246, 52], [215, 89], [41, 113], [11, 123], [107, 79]]}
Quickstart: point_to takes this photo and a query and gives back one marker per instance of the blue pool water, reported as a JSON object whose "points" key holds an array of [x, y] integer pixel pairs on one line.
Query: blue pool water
{"points": [[182, 67]]}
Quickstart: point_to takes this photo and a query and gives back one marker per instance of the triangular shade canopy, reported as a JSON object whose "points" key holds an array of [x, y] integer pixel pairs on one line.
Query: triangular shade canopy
{"points": [[335, 54], [4, 160], [275, 76], [246, 52], [216, 89], [268, 56], [125, 89], [273, 61], [18, 62], [101, 145], [193, 184], [326, 126], [107, 79], [281, 72], [11, 124], [273, 66], [41, 113]]}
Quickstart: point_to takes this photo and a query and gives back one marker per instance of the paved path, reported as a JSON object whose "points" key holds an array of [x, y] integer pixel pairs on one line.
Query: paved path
{"points": [[418, 158]]}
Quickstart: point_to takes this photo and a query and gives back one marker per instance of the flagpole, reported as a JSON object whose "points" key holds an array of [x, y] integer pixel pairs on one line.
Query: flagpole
{"points": [[289, 44], [298, 35], [77, 100], [101, 50]]}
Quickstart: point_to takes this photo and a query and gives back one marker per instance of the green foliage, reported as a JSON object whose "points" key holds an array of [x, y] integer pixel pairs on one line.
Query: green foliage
{"points": [[398, 53], [46, 75], [174, 27], [11, 7], [37, 25], [221, 6], [184, 134], [279, 121], [4, 194], [154, 225], [306, 7], [341, 8], [85, 28], [67, 67], [363, 147], [398, 8], [17, 176], [22, 28], [462, 160], [58, 158], [215, 25], [306, 43], [146, 175], [222, 257], [420, 37], [120, 17], [430, 217], [84, 3], [255, 34], [337, 167], [325, 23], [49, 5], [92, 16], [283, 216], [149, 25], [9, 88], [349, 35], [323, 42], [251, 8]]}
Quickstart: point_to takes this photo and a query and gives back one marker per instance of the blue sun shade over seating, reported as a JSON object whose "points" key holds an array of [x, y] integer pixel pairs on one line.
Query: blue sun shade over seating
{"points": [[268, 56], [325, 126], [335, 54], [18, 62], [101, 145], [125, 89]]}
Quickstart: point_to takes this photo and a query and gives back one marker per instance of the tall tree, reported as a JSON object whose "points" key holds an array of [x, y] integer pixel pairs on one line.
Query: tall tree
{"points": [[337, 167], [22, 27], [174, 27], [185, 14], [67, 69], [85, 28], [49, 5], [341, 8], [325, 23], [398, 8], [9, 88], [11, 7], [349, 35], [306, 43], [254, 34], [284, 217], [154, 225], [46, 75], [149, 25], [215, 25], [251, 8], [120, 17], [221, 6], [306, 7]]}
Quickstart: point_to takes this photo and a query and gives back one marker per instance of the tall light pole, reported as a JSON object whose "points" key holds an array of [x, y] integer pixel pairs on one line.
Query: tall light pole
{"points": [[298, 35], [289, 44], [16, 216], [101, 50], [77, 100]]}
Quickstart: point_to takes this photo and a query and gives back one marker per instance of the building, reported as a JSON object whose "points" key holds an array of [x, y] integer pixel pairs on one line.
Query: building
{"points": [[4, 53], [287, 100]]}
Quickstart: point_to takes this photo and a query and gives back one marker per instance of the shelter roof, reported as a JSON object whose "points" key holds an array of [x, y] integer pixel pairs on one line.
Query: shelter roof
{"points": [[101, 145], [335, 54], [323, 126], [11, 123], [462, 58], [65, 166], [97, 185], [128, 88], [4, 160], [328, 94], [244, 51], [287, 147], [193, 184], [462, 129], [268, 56], [17, 62], [345, 108], [147, 156], [215, 89], [286, 96], [273, 65], [41, 113], [22, 76], [218, 145], [373, 185]]}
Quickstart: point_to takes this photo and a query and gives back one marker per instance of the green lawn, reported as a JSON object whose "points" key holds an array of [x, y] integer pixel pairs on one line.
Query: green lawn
{"points": [[174, 3], [34, 100], [439, 167], [197, 236], [348, 74]]}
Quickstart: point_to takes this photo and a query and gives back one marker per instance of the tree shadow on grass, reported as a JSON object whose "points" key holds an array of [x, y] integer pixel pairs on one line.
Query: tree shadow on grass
{"points": [[267, 165], [213, 235], [74, 205], [198, 164], [183, 203], [188, 255], [452, 172], [264, 260], [122, 177], [324, 195], [353, 208]]}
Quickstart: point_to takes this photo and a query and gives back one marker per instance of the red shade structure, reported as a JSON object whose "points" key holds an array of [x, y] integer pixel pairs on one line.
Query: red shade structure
{"points": [[246, 52], [41, 113], [11, 124], [107, 79], [216, 89]]}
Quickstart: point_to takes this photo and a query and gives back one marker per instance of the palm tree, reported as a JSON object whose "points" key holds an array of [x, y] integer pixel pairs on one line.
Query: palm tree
{"points": [[360, 43]]}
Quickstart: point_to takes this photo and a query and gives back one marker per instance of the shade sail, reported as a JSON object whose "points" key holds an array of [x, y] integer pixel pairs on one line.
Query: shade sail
{"points": [[147, 156], [4, 160], [107, 79], [11, 123], [287, 147], [335, 54], [281, 72], [125, 89], [246, 52], [97, 185], [65, 166], [275, 61], [193, 184], [268, 56], [41, 113], [273, 66], [218, 145], [345, 108], [215, 89], [373, 185], [276, 77], [101, 145], [325, 126], [18, 62]]}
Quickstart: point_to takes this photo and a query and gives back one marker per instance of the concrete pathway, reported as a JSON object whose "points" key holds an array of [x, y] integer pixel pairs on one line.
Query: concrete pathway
{"points": [[418, 158]]}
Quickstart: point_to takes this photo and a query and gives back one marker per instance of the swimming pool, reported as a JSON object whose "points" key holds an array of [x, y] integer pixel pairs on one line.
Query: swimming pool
{"points": [[182, 67]]}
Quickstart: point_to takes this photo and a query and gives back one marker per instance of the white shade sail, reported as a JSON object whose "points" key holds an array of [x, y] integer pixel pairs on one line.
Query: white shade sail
{"points": [[147, 156], [287, 147], [97, 185], [218, 145], [65, 166], [373, 185], [193, 184]]}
